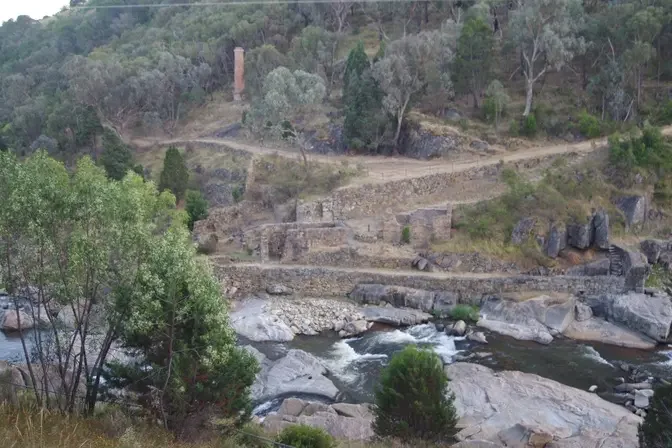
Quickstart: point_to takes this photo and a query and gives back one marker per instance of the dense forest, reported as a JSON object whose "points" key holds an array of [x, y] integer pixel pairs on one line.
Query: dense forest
{"points": [[66, 80]]}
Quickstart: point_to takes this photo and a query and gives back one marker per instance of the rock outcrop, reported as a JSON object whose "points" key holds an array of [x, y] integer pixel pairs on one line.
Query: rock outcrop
{"points": [[297, 373], [253, 322], [394, 316], [650, 315], [342, 420], [634, 209], [375, 294], [494, 406], [556, 240], [522, 231], [592, 269], [599, 330], [600, 223], [580, 235]]}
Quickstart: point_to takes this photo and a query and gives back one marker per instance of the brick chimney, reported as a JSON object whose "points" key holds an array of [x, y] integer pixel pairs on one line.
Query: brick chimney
{"points": [[238, 73]]}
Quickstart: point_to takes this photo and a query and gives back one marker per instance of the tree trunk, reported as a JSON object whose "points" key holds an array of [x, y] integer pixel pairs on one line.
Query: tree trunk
{"points": [[400, 119], [473, 93], [528, 97], [426, 13]]}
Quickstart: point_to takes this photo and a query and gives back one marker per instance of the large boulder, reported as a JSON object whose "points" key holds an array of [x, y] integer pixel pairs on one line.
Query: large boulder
{"points": [[394, 316], [600, 224], [297, 373], [580, 236], [599, 330], [252, 321], [650, 315], [521, 232], [489, 404], [557, 240], [520, 332], [634, 209], [396, 295], [343, 421], [14, 320], [539, 316], [652, 249]]}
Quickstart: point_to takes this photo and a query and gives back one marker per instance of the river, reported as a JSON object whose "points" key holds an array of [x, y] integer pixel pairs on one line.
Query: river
{"points": [[355, 364]]}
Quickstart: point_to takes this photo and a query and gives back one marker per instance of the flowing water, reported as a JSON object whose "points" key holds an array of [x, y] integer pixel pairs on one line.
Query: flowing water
{"points": [[355, 364]]}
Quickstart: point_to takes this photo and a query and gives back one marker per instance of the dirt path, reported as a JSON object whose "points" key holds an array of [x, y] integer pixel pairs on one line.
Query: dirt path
{"points": [[384, 169]]}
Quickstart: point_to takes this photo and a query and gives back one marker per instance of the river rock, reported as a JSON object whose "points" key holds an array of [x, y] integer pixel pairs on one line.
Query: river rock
{"points": [[521, 232], [583, 312], [599, 330], [354, 328], [637, 311], [478, 336], [394, 316], [278, 290], [592, 388], [601, 229], [343, 421], [631, 387], [396, 295], [641, 400], [489, 403], [520, 332], [297, 373], [15, 320], [459, 328], [580, 235], [557, 239], [252, 321], [634, 209]]}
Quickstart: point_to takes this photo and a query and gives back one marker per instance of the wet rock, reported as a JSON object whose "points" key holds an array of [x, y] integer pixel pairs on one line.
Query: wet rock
{"points": [[478, 336], [521, 232], [489, 403], [394, 316], [630, 387], [459, 328], [520, 332], [439, 327], [580, 235], [600, 224], [600, 330], [641, 400], [279, 290], [557, 240], [592, 388], [354, 328]]}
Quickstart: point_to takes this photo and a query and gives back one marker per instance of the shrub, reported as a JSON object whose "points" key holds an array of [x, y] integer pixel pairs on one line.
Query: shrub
{"points": [[514, 128], [253, 436], [656, 430], [529, 128], [406, 235], [175, 174], [464, 312], [196, 207], [237, 193], [304, 436], [413, 401], [116, 157], [589, 125], [663, 115]]}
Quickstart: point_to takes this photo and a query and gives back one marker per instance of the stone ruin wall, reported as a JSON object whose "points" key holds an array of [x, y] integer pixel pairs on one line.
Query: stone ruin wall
{"points": [[299, 242], [320, 281]]}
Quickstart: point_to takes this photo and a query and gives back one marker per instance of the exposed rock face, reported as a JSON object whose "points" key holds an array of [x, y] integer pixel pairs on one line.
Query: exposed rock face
{"points": [[521, 232], [600, 330], [583, 312], [600, 224], [404, 297], [253, 322], [534, 319], [312, 316], [580, 235], [343, 421], [557, 240], [297, 373], [394, 316], [651, 315], [634, 208], [494, 405], [652, 249], [278, 290], [13, 320]]}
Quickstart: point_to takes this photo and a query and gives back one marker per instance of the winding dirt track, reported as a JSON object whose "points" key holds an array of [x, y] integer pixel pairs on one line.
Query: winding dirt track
{"points": [[384, 169]]}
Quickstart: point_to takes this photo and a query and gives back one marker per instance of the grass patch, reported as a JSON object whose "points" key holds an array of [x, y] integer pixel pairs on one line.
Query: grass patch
{"points": [[465, 312], [659, 277]]}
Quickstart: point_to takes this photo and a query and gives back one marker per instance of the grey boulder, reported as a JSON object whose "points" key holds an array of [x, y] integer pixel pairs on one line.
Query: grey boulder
{"points": [[600, 224], [634, 209], [394, 316], [599, 330], [521, 232], [580, 235], [253, 322], [557, 240]]}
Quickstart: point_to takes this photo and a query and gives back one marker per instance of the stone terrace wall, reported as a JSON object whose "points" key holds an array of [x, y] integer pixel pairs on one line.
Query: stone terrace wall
{"points": [[300, 241], [320, 281], [348, 257]]}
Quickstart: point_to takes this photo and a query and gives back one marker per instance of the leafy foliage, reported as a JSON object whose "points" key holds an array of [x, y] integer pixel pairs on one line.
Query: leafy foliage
{"points": [[175, 175], [304, 436], [196, 207], [413, 401], [464, 312], [472, 66], [116, 157], [649, 151], [529, 127], [406, 235], [656, 430], [589, 125]]}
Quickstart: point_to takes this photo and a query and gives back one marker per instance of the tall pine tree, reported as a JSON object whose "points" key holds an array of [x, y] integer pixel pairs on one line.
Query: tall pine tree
{"points": [[116, 158], [472, 67], [356, 63], [175, 174]]}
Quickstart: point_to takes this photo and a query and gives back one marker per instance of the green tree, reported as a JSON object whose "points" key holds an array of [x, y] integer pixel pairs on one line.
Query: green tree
{"points": [[175, 175], [259, 62], [656, 430], [496, 100], [413, 401], [315, 52], [196, 207], [355, 65], [546, 33], [181, 330], [116, 157], [472, 66]]}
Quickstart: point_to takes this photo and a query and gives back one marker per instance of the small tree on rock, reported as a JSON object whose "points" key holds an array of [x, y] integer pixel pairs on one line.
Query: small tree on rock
{"points": [[656, 430], [175, 174], [413, 400]]}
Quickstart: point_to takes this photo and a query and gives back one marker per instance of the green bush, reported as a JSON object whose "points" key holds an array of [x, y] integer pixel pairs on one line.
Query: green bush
{"points": [[589, 125], [514, 128], [656, 430], [175, 175], [663, 114], [412, 401], [252, 436], [464, 312], [529, 128], [304, 436], [116, 158], [406, 235], [196, 207], [237, 193]]}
